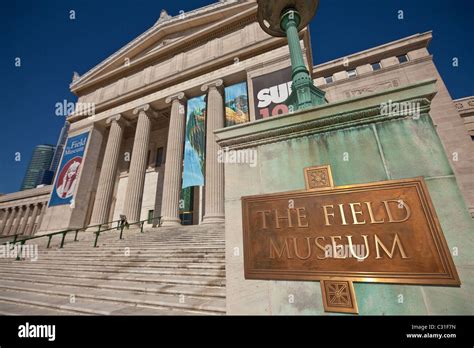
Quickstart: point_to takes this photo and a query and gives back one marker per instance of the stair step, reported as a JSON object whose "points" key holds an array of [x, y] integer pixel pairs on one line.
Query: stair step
{"points": [[81, 305], [15, 308], [135, 251], [139, 263], [189, 290], [137, 258], [99, 276], [162, 271], [179, 302], [120, 269]]}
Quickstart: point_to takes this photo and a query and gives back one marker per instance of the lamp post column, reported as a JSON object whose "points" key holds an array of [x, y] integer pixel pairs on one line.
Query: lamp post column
{"points": [[304, 94]]}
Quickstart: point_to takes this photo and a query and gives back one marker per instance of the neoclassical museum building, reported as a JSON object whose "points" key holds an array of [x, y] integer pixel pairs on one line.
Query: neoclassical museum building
{"points": [[149, 149]]}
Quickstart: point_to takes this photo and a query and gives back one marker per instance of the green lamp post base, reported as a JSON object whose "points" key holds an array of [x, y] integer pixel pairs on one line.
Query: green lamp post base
{"points": [[304, 94]]}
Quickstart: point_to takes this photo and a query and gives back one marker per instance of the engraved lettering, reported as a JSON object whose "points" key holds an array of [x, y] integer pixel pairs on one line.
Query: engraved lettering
{"points": [[389, 212], [273, 249], [327, 214], [300, 216], [396, 242], [371, 214], [355, 213], [308, 246]]}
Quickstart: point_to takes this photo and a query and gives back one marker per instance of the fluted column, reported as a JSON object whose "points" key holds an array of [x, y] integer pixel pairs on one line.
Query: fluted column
{"points": [[105, 188], [214, 182], [33, 219], [16, 223], [2, 219], [21, 230], [5, 220], [138, 164], [174, 162], [44, 206]]}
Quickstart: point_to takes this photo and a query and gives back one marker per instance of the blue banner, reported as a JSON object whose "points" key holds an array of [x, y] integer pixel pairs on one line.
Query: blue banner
{"points": [[68, 172], [195, 143], [236, 104]]}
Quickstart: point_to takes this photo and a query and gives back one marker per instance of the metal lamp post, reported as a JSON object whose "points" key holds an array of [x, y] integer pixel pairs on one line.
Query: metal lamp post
{"points": [[286, 18]]}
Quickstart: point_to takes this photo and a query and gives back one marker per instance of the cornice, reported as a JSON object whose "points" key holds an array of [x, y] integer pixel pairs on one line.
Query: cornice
{"points": [[321, 125], [328, 117], [36, 192], [358, 58], [371, 73]]}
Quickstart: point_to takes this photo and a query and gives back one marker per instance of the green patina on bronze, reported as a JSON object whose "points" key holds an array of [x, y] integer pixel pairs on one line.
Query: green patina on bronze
{"points": [[304, 94]]}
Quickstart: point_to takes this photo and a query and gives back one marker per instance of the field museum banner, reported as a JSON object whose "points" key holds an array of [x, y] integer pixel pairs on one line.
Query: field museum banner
{"points": [[270, 92], [236, 104], [195, 142], [68, 171]]}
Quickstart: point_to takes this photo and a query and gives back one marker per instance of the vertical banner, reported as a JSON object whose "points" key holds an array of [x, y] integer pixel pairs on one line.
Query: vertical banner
{"points": [[68, 171], [195, 142], [236, 104], [270, 91]]}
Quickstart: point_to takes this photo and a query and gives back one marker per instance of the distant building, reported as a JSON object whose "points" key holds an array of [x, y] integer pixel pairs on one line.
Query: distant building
{"points": [[47, 176], [59, 148], [40, 162]]}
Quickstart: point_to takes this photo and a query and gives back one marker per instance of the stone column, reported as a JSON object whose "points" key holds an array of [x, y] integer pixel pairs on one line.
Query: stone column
{"points": [[4, 213], [6, 218], [2, 219], [44, 206], [25, 219], [174, 162], [16, 223], [11, 218], [105, 188], [33, 219], [138, 164], [214, 182]]}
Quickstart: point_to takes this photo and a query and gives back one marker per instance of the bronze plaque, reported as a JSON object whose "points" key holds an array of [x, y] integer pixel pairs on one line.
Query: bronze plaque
{"points": [[377, 232]]}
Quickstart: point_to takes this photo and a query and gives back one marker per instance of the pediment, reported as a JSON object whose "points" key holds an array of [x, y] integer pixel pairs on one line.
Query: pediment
{"points": [[163, 37], [167, 40]]}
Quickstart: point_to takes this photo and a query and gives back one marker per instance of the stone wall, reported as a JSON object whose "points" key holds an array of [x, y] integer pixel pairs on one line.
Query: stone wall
{"points": [[378, 148]]}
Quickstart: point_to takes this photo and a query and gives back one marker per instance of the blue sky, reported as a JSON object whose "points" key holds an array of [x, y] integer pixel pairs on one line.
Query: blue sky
{"points": [[51, 47]]}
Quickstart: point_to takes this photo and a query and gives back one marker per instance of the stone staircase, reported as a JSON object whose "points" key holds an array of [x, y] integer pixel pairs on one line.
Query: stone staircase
{"points": [[162, 271]]}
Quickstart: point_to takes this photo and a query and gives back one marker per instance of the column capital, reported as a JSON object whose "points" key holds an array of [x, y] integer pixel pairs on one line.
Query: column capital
{"points": [[117, 118], [178, 96], [219, 84], [147, 109]]}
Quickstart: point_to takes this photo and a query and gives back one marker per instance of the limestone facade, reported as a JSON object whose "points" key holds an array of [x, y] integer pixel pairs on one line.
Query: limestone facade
{"points": [[146, 84], [465, 107], [22, 212], [405, 62], [139, 95]]}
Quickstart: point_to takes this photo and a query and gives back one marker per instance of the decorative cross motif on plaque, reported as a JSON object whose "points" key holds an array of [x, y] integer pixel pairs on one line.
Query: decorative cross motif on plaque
{"points": [[318, 178], [339, 296]]}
